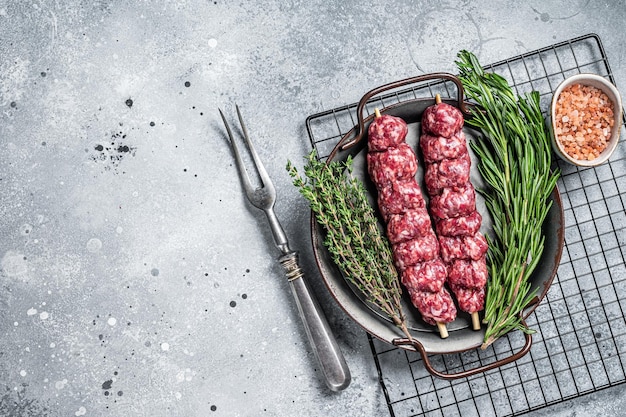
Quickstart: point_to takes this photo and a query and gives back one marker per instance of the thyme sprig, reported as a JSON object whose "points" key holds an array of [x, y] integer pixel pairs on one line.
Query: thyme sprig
{"points": [[515, 161], [353, 237]]}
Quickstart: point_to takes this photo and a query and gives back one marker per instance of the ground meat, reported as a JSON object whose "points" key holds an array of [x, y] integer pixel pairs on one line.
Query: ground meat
{"points": [[394, 164], [408, 225], [459, 226], [462, 247], [436, 307], [468, 273], [425, 276], [476, 245], [454, 202], [412, 252], [453, 205], [386, 132], [442, 120], [436, 148], [470, 300], [447, 173], [399, 196]]}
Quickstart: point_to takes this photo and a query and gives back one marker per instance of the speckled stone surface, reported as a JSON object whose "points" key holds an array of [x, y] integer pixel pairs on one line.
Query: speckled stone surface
{"points": [[135, 279]]}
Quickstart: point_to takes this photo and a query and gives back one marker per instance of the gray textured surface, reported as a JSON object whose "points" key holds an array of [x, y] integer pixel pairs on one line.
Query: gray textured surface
{"points": [[135, 278]]}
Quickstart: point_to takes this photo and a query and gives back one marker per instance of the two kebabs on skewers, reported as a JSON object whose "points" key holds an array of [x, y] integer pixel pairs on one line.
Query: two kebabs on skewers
{"points": [[456, 253]]}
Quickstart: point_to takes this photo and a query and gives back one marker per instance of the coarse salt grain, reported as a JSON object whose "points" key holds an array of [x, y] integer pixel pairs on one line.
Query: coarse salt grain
{"points": [[583, 121]]}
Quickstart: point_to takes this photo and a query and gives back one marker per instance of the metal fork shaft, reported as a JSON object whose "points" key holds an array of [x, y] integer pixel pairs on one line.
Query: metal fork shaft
{"points": [[325, 347], [280, 238]]}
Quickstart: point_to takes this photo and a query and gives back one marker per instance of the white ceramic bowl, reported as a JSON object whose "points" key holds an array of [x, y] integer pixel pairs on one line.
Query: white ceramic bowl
{"points": [[609, 89]]}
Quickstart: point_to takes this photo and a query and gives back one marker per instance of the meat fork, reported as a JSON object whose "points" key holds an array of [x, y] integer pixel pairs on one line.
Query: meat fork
{"points": [[325, 347]]}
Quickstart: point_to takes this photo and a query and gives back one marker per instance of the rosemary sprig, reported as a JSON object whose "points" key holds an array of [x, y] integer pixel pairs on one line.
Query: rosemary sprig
{"points": [[353, 237], [515, 161]]}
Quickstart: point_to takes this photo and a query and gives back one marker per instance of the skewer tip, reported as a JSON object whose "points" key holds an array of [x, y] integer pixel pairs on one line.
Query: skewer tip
{"points": [[475, 321], [437, 99], [443, 330], [377, 112]]}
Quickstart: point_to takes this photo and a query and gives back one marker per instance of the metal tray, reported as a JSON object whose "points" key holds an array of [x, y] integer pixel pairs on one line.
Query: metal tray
{"points": [[426, 339]]}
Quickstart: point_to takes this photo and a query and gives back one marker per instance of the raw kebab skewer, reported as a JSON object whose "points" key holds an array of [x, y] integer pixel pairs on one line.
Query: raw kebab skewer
{"points": [[453, 205], [392, 165]]}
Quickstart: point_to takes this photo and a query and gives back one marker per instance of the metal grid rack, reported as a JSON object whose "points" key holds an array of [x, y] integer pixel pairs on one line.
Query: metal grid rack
{"points": [[580, 344]]}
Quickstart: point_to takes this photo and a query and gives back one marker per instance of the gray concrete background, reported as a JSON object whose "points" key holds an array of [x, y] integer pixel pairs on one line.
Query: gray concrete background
{"points": [[136, 280]]}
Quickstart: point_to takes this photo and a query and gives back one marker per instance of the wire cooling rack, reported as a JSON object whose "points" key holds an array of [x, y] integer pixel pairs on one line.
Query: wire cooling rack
{"points": [[580, 346]]}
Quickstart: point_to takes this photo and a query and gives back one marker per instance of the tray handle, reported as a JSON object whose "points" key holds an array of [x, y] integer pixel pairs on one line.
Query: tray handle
{"points": [[396, 84], [469, 372]]}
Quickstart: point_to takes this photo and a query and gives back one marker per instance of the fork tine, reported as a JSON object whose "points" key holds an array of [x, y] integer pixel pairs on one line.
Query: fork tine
{"points": [[267, 182], [245, 179]]}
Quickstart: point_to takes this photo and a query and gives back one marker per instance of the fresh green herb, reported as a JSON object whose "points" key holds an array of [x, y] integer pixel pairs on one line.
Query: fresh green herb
{"points": [[353, 236], [515, 160]]}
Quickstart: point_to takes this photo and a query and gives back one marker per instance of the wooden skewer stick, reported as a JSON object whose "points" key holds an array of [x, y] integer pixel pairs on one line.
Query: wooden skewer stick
{"points": [[475, 320], [443, 330], [377, 112], [437, 99]]}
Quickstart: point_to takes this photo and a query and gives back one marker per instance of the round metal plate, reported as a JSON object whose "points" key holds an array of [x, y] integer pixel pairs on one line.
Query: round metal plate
{"points": [[461, 337]]}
